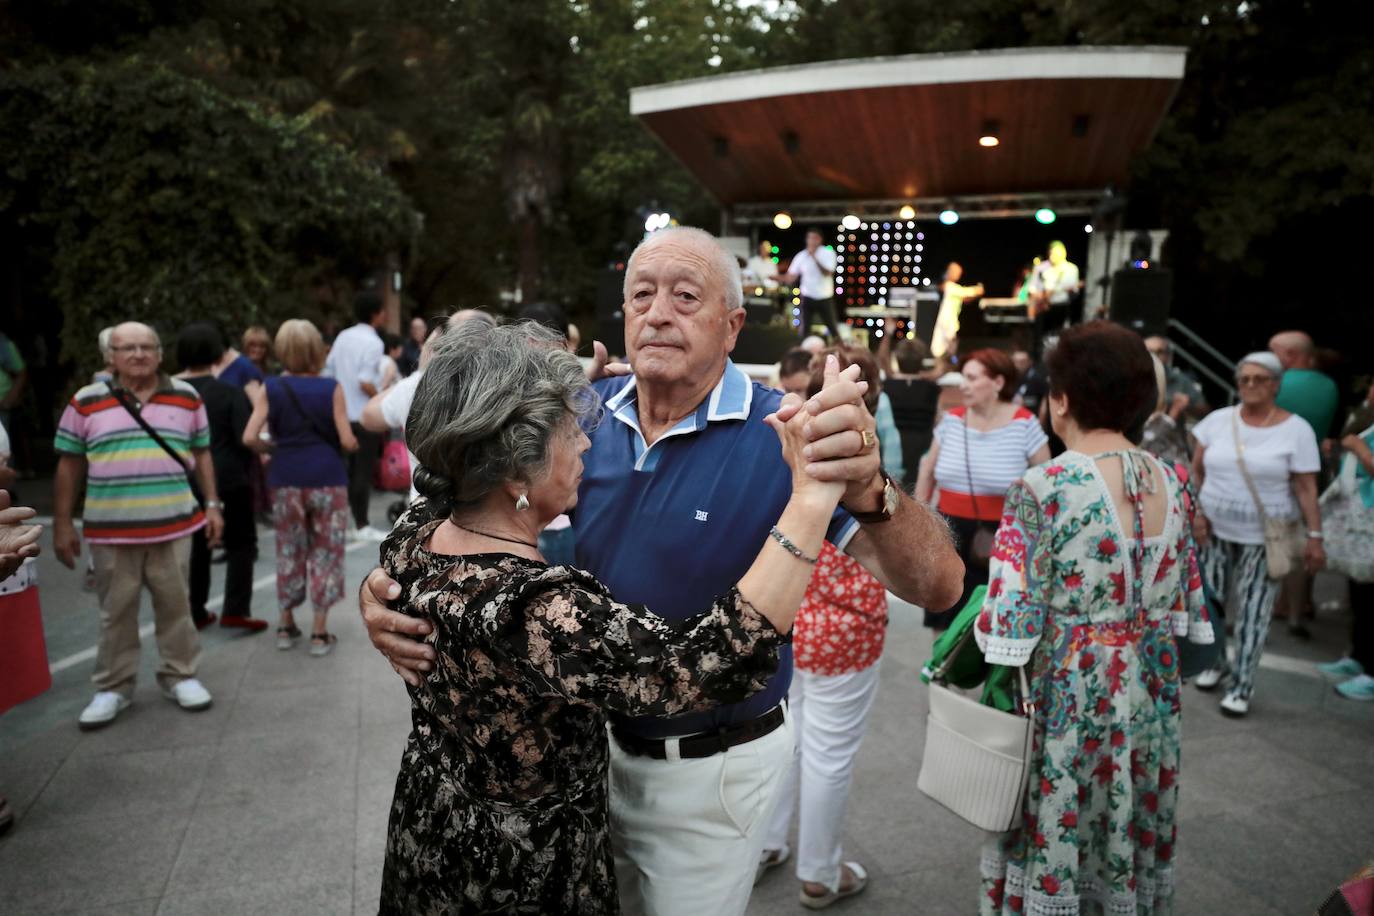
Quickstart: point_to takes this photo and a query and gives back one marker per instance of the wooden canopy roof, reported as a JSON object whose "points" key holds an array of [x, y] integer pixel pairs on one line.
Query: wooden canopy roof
{"points": [[908, 128]]}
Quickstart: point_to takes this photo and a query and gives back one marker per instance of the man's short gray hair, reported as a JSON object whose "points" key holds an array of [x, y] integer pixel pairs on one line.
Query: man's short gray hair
{"points": [[724, 265], [102, 340], [489, 404]]}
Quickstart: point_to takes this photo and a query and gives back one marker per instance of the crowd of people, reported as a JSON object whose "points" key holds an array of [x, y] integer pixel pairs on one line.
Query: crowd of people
{"points": [[631, 717]]}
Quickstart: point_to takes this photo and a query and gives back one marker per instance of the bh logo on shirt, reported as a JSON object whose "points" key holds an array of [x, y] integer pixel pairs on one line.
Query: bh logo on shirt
{"points": [[701, 515]]}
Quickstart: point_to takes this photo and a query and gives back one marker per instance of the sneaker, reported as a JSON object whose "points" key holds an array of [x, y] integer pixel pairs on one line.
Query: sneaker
{"points": [[189, 694], [251, 624], [368, 533], [1341, 669], [1234, 705], [770, 859], [102, 709], [1210, 678], [1359, 687]]}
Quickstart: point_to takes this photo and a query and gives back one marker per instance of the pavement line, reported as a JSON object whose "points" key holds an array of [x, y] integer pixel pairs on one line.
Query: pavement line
{"points": [[85, 655]]}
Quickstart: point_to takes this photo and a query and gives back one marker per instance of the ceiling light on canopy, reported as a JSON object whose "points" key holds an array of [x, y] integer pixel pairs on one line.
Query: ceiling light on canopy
{"points": [[907, 212], [782, 219]]}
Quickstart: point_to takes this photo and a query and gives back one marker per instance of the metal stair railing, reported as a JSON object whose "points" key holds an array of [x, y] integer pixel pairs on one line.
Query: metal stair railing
{"points": [[1223, 381]]}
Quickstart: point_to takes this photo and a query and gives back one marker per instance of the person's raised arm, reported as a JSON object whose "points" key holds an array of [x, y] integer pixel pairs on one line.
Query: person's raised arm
{"points": [[911, 552]]}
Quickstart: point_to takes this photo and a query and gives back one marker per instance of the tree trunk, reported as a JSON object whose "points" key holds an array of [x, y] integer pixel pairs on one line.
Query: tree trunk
{"points": [[528, 258]]}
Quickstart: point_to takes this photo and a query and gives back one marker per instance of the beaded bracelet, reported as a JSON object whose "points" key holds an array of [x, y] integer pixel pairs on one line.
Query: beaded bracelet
{"points": [[789, 546]]}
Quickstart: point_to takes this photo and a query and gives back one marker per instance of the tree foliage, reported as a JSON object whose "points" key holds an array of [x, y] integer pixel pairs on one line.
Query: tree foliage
{"points": [[157, 196]]}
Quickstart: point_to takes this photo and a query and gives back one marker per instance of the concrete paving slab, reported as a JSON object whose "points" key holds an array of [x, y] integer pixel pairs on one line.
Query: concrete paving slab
{"points": [[266, 844], [89, 863], [159, 782]]}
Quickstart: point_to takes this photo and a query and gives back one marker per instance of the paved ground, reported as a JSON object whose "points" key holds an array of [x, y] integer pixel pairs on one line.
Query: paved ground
{"points": [[274, 801]]}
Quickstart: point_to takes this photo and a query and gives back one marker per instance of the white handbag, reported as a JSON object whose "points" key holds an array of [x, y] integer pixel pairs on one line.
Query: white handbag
{"points": [[977, 758]]}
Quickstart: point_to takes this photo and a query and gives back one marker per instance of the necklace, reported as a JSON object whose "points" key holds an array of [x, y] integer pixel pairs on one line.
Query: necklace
{"points": [[495, 537], [1264, 421]]}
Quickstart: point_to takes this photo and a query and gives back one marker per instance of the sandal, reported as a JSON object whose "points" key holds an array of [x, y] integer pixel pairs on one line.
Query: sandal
{"points": [[829, 897], [770, 859], [287, 636], [322, 643]]}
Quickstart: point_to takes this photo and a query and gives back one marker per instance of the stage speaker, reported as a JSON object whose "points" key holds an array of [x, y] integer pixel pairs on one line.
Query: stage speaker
{"points": [[1140, 299], [759, 311], [610, 317]]}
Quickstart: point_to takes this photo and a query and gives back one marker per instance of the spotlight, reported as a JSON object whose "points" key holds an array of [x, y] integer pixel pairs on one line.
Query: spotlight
{"points": [[850, 222], [1044, 216], [989, 136], [1088, 228], [949, 217], [656, 221], [907, 212], [782, 219]]}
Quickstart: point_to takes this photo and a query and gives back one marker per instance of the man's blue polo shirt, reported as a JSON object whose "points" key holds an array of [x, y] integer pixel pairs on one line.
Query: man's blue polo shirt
{"points": [[676, 524]]}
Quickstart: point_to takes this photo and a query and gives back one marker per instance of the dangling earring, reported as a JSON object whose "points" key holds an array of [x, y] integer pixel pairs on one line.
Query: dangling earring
{"points": [[522, 502]]}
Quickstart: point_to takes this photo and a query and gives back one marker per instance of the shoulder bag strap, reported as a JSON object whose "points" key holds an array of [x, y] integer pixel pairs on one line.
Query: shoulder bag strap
{"points": [[121, 396], [968, 469], [309, 418], [1244, 471]]}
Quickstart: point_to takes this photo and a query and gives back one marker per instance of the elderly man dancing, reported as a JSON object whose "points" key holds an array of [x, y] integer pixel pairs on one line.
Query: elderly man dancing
{"points": [[681, 484]]}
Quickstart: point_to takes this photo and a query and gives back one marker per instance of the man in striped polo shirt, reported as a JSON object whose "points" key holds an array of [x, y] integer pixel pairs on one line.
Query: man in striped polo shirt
{"points": [[139, 517]]}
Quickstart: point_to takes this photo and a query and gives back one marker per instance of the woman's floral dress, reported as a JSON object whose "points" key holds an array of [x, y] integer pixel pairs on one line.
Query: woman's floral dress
{"points": [[500, 803], [1095, 615]]}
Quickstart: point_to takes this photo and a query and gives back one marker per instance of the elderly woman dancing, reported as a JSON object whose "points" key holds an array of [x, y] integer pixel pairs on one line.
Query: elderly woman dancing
{"points": [[1094, 577], [501, 802]]}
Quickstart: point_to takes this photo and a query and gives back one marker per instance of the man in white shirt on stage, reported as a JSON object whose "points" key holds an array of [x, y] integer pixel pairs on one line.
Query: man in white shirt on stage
{"points": [[815, 267]]}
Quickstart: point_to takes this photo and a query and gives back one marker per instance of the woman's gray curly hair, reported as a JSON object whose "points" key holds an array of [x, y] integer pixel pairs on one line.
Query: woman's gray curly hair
{"points": [[490, 402]]}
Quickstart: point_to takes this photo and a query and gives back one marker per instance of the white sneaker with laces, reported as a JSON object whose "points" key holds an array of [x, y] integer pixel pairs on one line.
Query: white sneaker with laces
{"points": [[189, 694], [368, 533], [1234, 705], [1208, 679], [102, 710]]}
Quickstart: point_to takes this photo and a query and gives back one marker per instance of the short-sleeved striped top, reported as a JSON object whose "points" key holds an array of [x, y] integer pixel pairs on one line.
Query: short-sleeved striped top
{"points": [[135, 492], [998, 456]]}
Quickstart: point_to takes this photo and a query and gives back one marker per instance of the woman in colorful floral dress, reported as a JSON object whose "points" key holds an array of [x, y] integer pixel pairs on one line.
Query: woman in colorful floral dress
{"points": [[1094, 577], [501, 800]]}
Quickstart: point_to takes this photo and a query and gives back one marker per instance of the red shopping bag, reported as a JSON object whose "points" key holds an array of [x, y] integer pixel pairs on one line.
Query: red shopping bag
{"points": [[23, 653], [393, 470]]}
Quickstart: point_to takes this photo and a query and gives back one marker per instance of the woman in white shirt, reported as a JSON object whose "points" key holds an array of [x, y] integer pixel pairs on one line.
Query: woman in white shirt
{"points": [[1280, 455]]}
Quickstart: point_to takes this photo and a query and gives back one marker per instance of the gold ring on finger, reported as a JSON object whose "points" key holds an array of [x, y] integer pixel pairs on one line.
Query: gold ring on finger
{"points": [[869, 439]]}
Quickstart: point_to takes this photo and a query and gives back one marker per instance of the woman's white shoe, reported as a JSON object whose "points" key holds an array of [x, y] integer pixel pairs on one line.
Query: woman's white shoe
{"points": [[829, 897]]}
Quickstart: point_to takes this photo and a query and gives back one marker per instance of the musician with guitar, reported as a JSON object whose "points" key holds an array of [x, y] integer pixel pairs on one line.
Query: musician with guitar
{"points": [[1053, 284]]}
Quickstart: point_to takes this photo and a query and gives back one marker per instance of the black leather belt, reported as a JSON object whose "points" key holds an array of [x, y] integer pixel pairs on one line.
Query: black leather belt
{"points": [[703, 744]]}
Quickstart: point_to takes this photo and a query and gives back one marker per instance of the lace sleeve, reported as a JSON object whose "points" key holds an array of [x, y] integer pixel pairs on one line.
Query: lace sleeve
{"points": [[589, 648], [1013, 614]]}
